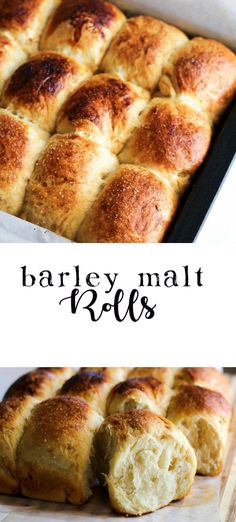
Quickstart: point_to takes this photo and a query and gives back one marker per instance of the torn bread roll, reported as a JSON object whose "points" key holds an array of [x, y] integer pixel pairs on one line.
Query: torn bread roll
{"points": [[203, 416], [134, 206], [145, 393], [19, 400], [20, 145], [145, 460], [60, 193], [172, 139], [82, 30], [55, 451], [203, 71], [209, 378], [140, 49], [39, 87], [25, 20], [104, 109], [164, 375], [92, 387]]}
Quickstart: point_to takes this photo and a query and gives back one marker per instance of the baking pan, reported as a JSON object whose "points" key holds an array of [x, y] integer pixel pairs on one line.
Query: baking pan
{"points": [[207, 183]]}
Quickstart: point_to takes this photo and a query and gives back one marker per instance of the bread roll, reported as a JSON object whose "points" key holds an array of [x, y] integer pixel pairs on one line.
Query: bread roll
{"points": [[25, 20], [135, 206], [115, 374], [146, 461], [11, 56], [91, 387], [164, 375], [203, 416], [20, 145], [13, 414], [104, 109], [55, 451], [144, 393], [82, 29], [60, 192], [204, 70], [207, 377], [140, 49], [40, 383], [172, 139], [40, 86]]}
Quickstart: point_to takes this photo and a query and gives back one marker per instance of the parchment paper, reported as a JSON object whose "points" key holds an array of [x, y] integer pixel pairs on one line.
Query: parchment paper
{"points": [[201, 505]]}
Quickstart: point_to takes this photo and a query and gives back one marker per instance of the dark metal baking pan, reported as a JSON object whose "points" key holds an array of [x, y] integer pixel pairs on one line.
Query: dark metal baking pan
{"points": [[207, 183]]}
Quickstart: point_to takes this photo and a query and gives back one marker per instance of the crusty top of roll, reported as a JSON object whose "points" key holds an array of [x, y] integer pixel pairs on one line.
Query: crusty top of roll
{"points": [[137, 422], [135, 206], [38, 83], [115, 374], [37, 383], [145, 384], [191, 400], [203, 68], [172, 137], [84, 382], [82, 29], [207, 377], [14, 146], [165, 375], [25, 19], [140, 49], [54, 418], [105, 108]]}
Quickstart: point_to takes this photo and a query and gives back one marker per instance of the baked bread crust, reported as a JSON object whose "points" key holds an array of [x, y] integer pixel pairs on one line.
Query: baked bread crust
{"points": [[25, 20], [140, 49], [164, 375], [61, 192], [172, 139], [82, 30], [39, 87], [91, 387], [20, 145], [209, 378], [104, 109], [135, 206], [11, 56], [138, 453], [203, 416], [115, 373], [205, 70], [146, 393], [55, 451]]}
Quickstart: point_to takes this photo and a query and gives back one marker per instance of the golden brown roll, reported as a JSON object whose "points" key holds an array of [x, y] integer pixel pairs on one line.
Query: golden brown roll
{"points": [[145, 393], [82, 29], [204, 70], [13, 414], [172, 139], [140, 49], [55, 451], [20, 145], [25, 20], [104, 109], [115, 374], [145, 460], [66, 180], [11, 56], [40, 383], [135, 206], [91, 387], [164, 375], [207, 378], [203, 416], [39, 87], [60, 374]]}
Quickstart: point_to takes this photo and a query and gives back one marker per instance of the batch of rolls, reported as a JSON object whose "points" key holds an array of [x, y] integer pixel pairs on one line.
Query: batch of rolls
{"points": [[143, 433], [104, 119]]}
